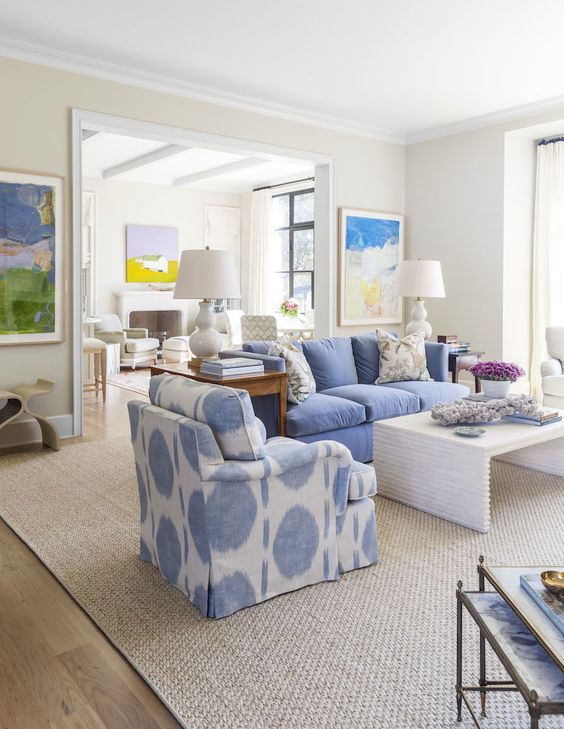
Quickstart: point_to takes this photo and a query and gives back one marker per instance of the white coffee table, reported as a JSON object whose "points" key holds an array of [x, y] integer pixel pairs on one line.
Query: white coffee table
{"points": [[427, 466]]}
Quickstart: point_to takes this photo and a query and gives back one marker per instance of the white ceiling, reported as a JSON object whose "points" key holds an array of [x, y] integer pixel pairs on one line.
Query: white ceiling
{"points": [[384, 67], [102, 152]]}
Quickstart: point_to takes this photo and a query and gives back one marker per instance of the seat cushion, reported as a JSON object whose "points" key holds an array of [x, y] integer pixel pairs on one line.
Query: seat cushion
{"points": [[227, 411], [331, 361], [431, 393], [320, 413], [141, 345], [379, 402], [91, 345], [553, 385], [362, 481]]}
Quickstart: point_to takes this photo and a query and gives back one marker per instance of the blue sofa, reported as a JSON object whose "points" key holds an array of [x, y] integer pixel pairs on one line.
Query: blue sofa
{"points": [[347, 401]]}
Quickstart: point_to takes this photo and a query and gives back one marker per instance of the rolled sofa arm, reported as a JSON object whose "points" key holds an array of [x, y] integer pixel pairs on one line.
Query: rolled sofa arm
{"points": [[551, 367], [437, 360]]}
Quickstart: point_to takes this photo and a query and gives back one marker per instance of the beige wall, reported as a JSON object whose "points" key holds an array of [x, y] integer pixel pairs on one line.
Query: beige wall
{"points": [[461, 211], [35, 134], [123, 203]]}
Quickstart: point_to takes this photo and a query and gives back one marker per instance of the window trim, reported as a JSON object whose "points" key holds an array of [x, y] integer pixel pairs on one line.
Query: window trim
{"points": [[292, 228]]}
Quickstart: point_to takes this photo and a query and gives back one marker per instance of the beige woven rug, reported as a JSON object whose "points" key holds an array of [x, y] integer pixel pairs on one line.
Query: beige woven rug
{"points": [[375, 650], [133, 380]]}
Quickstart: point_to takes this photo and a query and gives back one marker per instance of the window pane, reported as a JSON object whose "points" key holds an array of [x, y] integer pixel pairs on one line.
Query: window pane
{"points": [[303, 250], [303, 291], [303, 208], [280, 251], [280, 211], [280, 288]]}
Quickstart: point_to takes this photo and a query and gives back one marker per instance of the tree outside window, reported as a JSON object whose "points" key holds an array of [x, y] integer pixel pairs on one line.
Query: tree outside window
{"points": [[293, 218]]}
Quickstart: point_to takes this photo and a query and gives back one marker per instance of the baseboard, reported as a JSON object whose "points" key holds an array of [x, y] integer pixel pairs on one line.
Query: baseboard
{"points": [[25, 430]]}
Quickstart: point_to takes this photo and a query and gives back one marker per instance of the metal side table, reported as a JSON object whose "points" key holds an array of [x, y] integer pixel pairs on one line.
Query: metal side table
{"points": [[529, 646]]}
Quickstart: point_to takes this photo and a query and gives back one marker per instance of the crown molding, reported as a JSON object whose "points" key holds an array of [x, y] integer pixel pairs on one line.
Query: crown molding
{"points": [[72, 63], [501, 116]]}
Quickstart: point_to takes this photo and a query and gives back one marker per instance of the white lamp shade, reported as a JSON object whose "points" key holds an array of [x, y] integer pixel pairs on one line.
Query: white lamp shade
{"points": [[205, 274], [423, 279]]}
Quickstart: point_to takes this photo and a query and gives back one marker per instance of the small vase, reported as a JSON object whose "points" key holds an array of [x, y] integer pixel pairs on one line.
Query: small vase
{"points": [[495, 388]]}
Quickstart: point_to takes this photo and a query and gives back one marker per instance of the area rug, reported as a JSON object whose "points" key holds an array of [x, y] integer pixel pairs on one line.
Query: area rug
{"points": [[375, 650], [134, 380]]}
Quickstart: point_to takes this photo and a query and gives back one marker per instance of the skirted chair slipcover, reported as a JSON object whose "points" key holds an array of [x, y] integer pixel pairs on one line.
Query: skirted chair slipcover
{"points": [[231, 519]]}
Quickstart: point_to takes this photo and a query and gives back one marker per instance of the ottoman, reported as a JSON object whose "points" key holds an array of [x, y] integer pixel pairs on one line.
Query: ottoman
{"points": [[176, 349]]}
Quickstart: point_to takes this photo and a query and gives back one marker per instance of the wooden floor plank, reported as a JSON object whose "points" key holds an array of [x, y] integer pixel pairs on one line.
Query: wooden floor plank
{"points": [[57, 669], [106, 693]]}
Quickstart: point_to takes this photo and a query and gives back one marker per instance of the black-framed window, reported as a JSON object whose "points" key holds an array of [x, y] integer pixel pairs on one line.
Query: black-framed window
{"points": [[293, 218]]}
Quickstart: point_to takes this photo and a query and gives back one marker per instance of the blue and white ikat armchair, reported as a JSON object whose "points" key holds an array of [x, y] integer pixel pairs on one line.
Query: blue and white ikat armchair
{"points": [[232, 519]]}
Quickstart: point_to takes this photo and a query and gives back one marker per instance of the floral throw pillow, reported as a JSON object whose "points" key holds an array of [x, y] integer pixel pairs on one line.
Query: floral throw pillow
{"points": [[300, 382], [402, 359]]}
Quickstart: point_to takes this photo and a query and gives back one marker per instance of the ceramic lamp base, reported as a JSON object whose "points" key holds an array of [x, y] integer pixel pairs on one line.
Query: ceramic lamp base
{"points": [[205, 341], [419, 319]]}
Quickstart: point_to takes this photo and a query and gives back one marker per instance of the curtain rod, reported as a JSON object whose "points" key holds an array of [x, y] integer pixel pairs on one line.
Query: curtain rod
{"points": [[550, 140], [283, 184]]}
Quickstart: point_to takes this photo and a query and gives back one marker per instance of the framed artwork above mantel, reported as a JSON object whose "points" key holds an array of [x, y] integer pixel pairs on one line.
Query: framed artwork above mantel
{"points": [[31, 258], [370, 250]]}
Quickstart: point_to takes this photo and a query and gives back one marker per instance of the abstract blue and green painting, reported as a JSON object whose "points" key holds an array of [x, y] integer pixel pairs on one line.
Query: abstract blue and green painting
{"points": [[27, 258]]}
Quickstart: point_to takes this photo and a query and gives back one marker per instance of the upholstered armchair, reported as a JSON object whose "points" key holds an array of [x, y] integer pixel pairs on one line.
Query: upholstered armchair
{"points": [[136, 347], [551, 369], [232, 519]]}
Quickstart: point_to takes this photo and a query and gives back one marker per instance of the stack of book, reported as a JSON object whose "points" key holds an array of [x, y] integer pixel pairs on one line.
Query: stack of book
{"points": [[455, 345], [232, 367], [548, 603], [545, 416]]}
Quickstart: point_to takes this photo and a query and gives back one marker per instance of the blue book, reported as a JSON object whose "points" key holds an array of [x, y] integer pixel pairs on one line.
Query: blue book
{"points": [[548, 603]]}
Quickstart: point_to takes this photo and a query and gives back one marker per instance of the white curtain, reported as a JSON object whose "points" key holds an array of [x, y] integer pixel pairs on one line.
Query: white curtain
{"points": [[258, 270], [548, 252]]}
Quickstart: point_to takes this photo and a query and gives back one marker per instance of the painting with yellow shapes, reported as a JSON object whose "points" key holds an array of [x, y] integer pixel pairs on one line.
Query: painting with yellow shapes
{"points": [[370, 249], [152, 254], [31, 246]]}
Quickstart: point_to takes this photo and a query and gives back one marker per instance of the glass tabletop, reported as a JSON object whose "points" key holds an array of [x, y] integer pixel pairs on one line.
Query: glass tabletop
{"points": [[507, 581]]}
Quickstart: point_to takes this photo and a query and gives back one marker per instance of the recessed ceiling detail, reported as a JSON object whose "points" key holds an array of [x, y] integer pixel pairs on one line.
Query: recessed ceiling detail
{"points": [[134, 159]]}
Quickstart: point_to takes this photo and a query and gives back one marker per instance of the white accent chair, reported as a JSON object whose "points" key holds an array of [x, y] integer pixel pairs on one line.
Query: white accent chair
{"points": [[136, 347], [552, 372]]}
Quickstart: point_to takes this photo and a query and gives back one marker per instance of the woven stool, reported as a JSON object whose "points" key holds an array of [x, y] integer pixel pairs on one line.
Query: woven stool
{"points": [[96, 348]]}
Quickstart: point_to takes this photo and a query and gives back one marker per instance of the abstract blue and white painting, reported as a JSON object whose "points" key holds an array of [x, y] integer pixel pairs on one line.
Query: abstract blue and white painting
{"points": [[371, 248]]}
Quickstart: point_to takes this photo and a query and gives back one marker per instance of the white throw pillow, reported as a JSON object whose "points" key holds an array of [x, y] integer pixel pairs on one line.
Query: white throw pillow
{"points": [[402, 359], [300, 383]]}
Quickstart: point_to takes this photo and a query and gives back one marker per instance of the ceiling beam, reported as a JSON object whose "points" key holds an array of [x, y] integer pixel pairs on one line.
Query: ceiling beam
{"points": [[145, 159], [242, 164], [88, 134]]}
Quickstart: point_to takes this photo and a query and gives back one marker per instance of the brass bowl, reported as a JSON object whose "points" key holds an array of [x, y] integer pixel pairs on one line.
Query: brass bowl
{"points": [[554, 583]]}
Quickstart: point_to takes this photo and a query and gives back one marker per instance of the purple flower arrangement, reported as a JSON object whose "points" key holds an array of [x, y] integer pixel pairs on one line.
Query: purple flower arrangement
{"points": [[500, 371]]}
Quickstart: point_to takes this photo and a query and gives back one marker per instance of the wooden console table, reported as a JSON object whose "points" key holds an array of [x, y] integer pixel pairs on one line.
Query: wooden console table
{"points": [[263, 383], [458, 361]]}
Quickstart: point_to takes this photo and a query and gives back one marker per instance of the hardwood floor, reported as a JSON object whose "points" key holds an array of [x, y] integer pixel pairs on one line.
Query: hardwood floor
{"points": [[57, 670]]}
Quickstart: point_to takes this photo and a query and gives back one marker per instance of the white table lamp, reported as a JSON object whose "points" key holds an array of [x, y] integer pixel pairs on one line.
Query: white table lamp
{"points": [[420, 280], [206, 275]]}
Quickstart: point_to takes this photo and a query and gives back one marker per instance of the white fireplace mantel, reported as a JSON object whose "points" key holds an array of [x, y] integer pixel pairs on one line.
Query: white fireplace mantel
{"points": [[128, 301]]}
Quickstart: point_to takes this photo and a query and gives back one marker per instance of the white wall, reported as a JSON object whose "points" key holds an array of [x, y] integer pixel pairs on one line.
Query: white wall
{"points": [[467, 210], [369, 173], [123, 203]]}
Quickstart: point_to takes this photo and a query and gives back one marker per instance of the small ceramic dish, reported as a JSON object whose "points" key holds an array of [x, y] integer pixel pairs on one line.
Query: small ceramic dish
{"points": [[468, 431], [554, 583]]}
